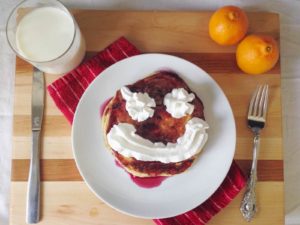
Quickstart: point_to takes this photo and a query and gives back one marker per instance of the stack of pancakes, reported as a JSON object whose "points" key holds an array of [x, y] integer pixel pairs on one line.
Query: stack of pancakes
{"points": [[162, 127]]}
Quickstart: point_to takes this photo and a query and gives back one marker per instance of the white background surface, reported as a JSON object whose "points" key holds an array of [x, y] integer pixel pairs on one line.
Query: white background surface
{"points": [[290, 66]]}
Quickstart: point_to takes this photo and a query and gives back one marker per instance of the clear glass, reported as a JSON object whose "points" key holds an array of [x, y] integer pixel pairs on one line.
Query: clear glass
{"points": [[64, 62]]}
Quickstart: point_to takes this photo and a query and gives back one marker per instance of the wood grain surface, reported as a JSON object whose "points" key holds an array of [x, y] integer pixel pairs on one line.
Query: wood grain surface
{"points": [[54, 170], [66, 199]]}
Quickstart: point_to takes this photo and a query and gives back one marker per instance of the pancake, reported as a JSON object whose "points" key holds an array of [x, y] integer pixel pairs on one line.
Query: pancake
{"points": [[162, 127]]}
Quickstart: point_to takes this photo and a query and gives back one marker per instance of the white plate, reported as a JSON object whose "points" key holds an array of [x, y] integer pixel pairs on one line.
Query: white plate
{"points": [[176, 194]]}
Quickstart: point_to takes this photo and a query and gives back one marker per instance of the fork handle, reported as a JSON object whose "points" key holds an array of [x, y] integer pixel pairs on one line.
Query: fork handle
{"points": [[248, 205], [256, 145]]}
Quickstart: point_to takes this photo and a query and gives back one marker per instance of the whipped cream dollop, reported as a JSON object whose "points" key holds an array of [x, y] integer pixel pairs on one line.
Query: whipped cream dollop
{"points": [[123, 138], [138, 105], [177, 102]]}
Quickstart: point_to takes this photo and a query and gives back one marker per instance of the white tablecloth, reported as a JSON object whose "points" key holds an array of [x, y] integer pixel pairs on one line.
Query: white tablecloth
{"points": [[290, 61]]}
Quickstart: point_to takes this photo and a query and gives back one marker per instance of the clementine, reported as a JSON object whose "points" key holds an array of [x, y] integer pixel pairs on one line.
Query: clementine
{"points": [[257, 54], [228, 25]]}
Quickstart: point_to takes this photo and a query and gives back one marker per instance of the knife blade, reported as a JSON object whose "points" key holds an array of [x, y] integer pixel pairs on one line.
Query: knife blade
{"points": [[37, 110]]}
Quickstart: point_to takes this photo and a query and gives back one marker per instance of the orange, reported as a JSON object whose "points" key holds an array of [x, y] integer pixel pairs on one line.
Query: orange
{"points": [[257, 54], [228, 25]]}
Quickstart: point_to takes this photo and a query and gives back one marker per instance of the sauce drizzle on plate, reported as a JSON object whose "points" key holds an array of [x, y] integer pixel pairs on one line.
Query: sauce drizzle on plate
{"points": [[144, 182]]}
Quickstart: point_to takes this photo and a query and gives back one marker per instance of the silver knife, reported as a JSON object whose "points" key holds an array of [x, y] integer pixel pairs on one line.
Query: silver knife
{"points": [[33, 188]]}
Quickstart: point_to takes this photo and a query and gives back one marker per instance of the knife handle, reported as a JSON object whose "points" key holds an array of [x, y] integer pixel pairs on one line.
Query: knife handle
{"points": [[33, 188]]}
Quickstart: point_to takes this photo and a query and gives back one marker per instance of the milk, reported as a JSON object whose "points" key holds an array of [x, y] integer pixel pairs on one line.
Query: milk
{"points": [[50, 40]]}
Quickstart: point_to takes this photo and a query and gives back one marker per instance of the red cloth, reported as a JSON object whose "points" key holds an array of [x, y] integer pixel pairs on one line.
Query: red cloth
{"points": [[66, 92]]}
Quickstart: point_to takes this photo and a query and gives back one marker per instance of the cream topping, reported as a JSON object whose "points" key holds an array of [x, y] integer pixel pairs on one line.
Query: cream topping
{"points": [[138, 105], [177, 102], [123, 138]]}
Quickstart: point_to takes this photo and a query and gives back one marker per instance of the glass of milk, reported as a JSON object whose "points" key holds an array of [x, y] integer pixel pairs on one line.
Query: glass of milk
{"points": [[45, 34]]}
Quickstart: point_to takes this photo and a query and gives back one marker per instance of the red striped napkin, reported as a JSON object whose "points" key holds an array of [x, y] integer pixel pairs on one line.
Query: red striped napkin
{"points": [[66, 92]]}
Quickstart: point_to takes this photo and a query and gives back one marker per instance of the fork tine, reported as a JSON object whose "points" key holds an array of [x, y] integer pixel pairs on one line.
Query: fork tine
{"points": [[257, 98], [250, 110], [265, 107], [262, 101]]}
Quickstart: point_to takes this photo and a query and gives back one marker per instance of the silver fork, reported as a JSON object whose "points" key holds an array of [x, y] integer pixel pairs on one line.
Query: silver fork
{"points": [[256, 121]]}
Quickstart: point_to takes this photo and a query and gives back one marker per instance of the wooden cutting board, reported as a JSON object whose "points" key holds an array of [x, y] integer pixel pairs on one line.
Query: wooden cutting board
{"points": [[66, 199]]}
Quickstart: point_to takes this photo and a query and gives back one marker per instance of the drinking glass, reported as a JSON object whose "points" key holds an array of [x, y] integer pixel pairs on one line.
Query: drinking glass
{"points": [[45, 34]]}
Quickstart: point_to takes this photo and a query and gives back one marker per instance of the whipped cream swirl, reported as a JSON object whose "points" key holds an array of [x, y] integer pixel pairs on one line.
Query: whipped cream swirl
{"points": [[177, 102], [123, 138], [138, 105]]}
